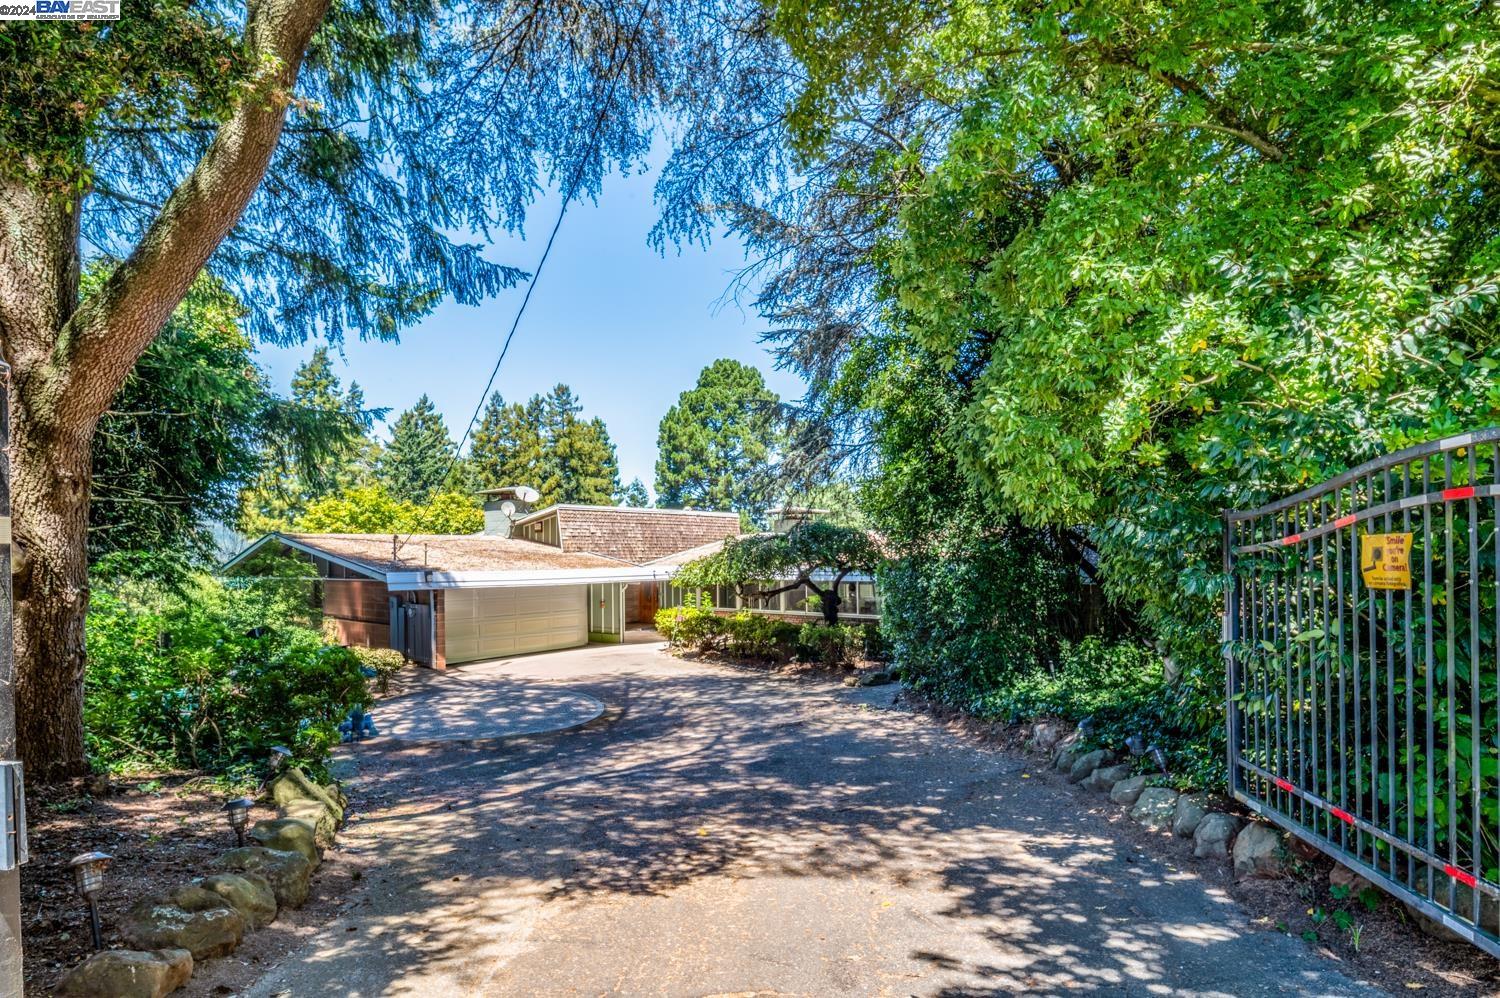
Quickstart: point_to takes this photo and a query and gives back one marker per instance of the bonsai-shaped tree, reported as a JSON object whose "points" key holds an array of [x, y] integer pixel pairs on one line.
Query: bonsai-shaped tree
{"points": [[816, 555]]}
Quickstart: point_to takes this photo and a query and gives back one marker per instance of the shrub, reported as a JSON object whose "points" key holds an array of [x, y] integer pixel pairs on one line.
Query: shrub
{"points": [[757, 636], [836, 646], [384, 662], [186, 672]]}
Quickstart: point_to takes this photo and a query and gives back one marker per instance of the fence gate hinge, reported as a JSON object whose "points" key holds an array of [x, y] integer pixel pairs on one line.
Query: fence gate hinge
{"points": [[12, 816]]}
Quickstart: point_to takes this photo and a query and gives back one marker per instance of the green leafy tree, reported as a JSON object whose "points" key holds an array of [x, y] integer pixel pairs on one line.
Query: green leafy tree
{"points": [[815, 555], [371, 509], [418, 460], [716, 444], [634, 495], [504, 444], [1184, 257]]}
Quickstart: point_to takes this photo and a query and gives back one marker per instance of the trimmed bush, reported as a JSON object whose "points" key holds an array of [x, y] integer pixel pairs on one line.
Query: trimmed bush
{"points": [[837, 646], [384, 662]]}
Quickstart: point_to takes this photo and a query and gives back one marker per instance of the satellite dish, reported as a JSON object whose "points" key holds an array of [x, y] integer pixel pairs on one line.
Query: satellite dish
{"points": [[526, 493], [508, 508]]}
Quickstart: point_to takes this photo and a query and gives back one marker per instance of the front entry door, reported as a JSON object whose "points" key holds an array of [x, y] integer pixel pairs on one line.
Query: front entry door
{"points": [[650, 602]]}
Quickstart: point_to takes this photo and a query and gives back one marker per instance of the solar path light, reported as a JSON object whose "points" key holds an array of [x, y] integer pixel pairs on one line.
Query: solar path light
{"points": [[238, 813], [88, 870]]}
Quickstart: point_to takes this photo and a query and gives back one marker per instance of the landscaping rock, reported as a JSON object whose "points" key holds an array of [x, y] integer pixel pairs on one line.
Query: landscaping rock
{"points": [[249, 894], [1104, 778], [1260, 851], [1155, 808], [1463, 907], [877, 677], [193, 919], [287, 835], [1045, 735], [1069, 751], [317, 815], [1128, 790], [1191, 809], [1342, 876], [295, 784], [286, 872], [127, 973], [1213, 835], [1084, 766]]}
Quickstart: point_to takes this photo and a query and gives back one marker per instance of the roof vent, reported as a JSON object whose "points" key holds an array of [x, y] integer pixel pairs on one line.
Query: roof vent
{"points": [[505, 505]]}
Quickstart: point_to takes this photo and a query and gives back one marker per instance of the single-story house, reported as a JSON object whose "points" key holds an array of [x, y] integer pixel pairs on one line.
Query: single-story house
{"points": [[533, 580]]}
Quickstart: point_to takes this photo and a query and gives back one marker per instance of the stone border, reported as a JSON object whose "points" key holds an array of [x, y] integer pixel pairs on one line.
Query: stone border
{"points": [[172, 931], [1256, 848]]}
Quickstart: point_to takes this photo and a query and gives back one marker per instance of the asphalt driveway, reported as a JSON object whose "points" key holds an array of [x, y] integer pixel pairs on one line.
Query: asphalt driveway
{"points": [[716, 833]]}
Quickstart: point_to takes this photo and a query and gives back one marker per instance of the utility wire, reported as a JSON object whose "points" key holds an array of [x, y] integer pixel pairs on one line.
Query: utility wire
{"points": [[617, 70]]}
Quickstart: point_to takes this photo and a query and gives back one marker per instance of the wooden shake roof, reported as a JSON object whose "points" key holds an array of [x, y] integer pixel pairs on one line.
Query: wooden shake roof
{"points": [[636, 536], [447, 552]]}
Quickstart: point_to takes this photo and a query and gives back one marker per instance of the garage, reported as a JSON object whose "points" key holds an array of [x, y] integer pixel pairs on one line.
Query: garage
{"points": [[495, 623]]}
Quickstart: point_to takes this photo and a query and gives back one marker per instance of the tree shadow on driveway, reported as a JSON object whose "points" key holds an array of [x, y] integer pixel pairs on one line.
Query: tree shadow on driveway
{"points": [[717, 833]]}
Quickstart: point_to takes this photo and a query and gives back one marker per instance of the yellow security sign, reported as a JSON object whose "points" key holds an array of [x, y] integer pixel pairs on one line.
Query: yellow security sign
{"points": [[1385, 560]]}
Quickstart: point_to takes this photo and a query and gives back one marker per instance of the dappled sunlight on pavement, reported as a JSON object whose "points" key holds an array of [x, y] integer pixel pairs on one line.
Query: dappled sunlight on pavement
{"points": [[714, 832]]}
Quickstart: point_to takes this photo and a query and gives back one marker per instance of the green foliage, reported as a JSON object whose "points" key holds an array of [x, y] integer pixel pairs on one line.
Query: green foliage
{"points": [[417, 461], [546, 445], [757, 637], [716, 444], [1136, 263], [290, 479], [187, 672], [813, 554], [634, 495], [384, 662], [193, 422], [835, 646], [373, 510]]}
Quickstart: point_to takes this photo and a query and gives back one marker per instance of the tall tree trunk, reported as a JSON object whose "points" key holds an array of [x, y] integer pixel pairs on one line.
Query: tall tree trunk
{"points": [[49, 502], [49, 476]]}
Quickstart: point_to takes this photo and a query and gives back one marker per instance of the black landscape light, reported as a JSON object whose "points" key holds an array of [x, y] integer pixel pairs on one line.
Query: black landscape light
{"points": [[88, 869], [238, 813]]}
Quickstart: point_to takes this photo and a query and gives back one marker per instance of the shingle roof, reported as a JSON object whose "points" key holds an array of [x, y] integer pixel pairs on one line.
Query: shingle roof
{"points": [[637, 536], [679, 558], [447, 552]]}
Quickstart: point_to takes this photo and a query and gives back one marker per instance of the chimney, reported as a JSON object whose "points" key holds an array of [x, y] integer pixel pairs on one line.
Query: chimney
{"points": [[504, 506], [787, 517]]}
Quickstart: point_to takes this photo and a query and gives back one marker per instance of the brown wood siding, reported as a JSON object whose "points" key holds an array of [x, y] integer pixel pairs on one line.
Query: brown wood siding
{"points": [[360, 611]]}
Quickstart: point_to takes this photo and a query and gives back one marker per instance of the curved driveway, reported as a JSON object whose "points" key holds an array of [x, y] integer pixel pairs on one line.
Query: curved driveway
{"points": [[716, 833]]}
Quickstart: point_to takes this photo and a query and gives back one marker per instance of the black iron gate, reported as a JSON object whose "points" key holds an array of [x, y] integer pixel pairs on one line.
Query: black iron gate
{"points": [[1364, 675]]}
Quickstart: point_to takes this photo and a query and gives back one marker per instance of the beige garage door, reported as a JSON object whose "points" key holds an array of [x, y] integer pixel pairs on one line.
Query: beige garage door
{"points": [[494, 623]]}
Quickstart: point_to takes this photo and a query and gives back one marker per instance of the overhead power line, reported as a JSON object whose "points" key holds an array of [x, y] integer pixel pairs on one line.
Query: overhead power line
{"points": [[616, 71]]}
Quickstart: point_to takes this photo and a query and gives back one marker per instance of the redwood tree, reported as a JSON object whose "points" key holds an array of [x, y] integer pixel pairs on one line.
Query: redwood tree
{"points": [[315, 155]]}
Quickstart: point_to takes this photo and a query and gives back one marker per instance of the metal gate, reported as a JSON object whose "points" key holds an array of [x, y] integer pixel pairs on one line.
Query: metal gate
{"points": [[1365, 720], [411, 630]]}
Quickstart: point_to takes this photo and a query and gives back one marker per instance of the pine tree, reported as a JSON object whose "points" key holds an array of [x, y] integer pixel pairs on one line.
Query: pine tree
{"points": [[415, 464], [588, 471], [715, 445], [547, 445], [504, 444], [634, 495], [288, 481]]}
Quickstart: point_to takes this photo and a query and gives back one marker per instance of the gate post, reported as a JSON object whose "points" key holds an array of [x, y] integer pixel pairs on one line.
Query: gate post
{"points": [[12, 808], [1230, 635]]}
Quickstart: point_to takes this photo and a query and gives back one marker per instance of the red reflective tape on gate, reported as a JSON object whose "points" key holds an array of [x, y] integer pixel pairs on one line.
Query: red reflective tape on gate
{"points": [[1467, 879], [1343, 816], [1290, 540], [1345, 521], [1284, 785], [1466, 492]]}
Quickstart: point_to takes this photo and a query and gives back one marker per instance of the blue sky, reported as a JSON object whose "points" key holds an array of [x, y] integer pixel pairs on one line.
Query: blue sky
{"points": [[627, 328]]}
